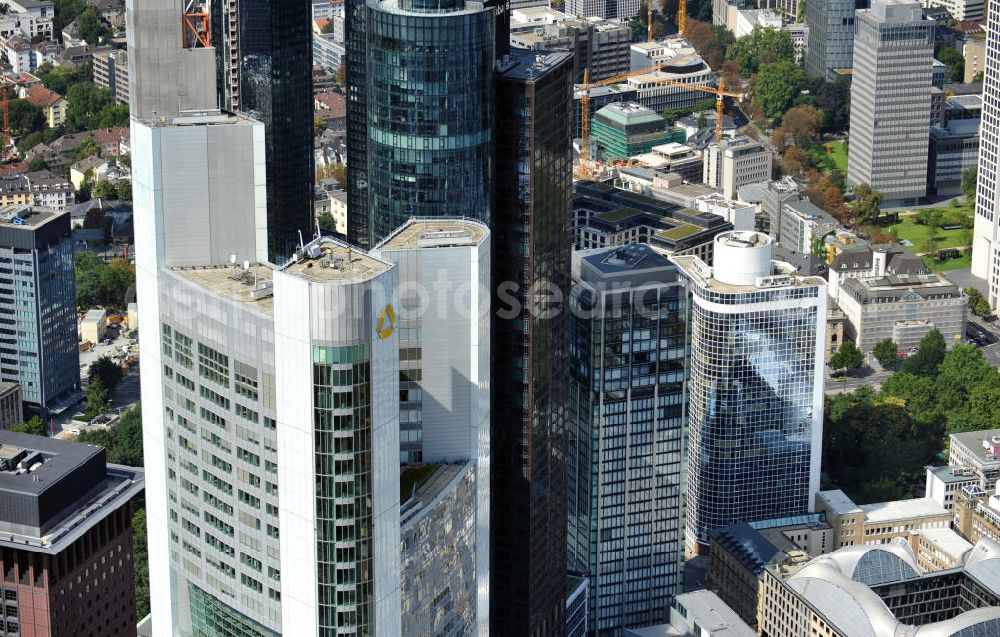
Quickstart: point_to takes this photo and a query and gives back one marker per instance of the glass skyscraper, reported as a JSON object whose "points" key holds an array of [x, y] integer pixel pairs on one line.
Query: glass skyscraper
{"points": [[755, 404], [429, 100], [264, 53], [630, 344], [532, 239]]}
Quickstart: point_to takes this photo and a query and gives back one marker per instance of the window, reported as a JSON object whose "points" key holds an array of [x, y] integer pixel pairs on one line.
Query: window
{"points": [[213, 365]]}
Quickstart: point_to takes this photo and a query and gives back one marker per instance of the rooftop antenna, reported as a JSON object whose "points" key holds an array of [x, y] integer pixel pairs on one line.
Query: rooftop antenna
{"points": [[302, 244], [318, 233]]}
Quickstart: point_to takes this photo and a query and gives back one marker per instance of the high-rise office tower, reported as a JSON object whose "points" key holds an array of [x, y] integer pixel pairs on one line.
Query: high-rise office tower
{"points": [[755, 389], [38, 305], [891, 99], [532, 239], [986, 232], [830, 46], [255, 369], [443, 322], [264, 54], [630, 338], [258, 61], [429, 97], [66, 532]]}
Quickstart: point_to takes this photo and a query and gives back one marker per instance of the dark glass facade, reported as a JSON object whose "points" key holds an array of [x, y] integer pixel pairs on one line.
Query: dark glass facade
{"points": [[356, 59], [430, 112], [265, 71], [630, 349], [532, 238]]}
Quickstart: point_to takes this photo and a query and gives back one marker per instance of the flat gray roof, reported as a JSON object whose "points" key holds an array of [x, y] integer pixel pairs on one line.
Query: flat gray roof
{"points": [[436, 233], [232, 283]]}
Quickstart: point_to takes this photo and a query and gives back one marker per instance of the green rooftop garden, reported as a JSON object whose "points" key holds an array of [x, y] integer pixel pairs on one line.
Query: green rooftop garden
{"points": [[618, 214], [682, 231]]}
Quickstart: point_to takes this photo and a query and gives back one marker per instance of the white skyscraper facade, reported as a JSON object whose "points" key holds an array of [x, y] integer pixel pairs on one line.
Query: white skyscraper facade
{"points": [[986, 232], [443, 325], [755, 389]]}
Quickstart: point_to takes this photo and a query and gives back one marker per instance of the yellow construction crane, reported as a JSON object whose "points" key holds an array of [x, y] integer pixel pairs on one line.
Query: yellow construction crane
{"points": [[682, 16], [719, 91]]}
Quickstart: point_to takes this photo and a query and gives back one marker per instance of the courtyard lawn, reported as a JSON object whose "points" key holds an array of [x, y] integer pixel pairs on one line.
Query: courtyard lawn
{"points": [[837, 152], [964, 261], [917, 234]]}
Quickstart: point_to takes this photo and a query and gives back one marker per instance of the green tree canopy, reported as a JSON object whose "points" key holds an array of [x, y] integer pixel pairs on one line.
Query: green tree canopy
{"points": [[107, 370], [929, 356], [37, 163], [760, 47], [86, 106], [969, 179], [848, 356], [956, 63], [867, 203], [33, 426], [104, 189], [125, 190], [99, 283], [98, 399], [886, 352], [776, 86], [89, 26], [61, 78], [123, 440], [25, 117]]}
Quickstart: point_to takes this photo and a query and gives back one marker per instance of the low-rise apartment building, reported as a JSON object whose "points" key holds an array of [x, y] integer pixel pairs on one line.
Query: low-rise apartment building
{"points": [[878, 523]]}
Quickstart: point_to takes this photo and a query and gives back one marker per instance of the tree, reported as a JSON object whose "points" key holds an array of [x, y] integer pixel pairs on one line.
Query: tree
{"points": [[930, 354], [327, 223], [834, 99], [962, 369], [86, 104], [886, 352], [776, 86], [37, 163], [956, 63], [97, 399], [89, 26], [104, 189], [336, 171], [87, 148], [107, 370], [795, 160], [970, 178], [123, 441], [125, 190], [33, 426], [341, 75], [140, 562], [25, 117], [917, 391], [61, 78], [867, 202], [847, 357], [802, 124], [98, 283], [761, 46]]}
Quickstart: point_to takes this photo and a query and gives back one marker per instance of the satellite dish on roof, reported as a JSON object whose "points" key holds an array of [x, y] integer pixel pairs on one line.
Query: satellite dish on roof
{"points": [[246, 265]]}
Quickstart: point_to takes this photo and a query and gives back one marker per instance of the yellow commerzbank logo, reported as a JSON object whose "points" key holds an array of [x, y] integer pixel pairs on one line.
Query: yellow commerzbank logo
{"points": [[386, 322]]}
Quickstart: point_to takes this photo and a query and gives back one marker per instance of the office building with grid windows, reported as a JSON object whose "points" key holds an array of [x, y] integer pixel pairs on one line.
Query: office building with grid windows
{"points": [[38, 305], [986, 230], [891, 99], [259, 367], [755, 403], [630, 346]]}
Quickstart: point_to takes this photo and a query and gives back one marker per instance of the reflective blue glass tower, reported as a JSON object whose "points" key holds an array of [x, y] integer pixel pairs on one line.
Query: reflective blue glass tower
{"points": [[429, 102]]}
